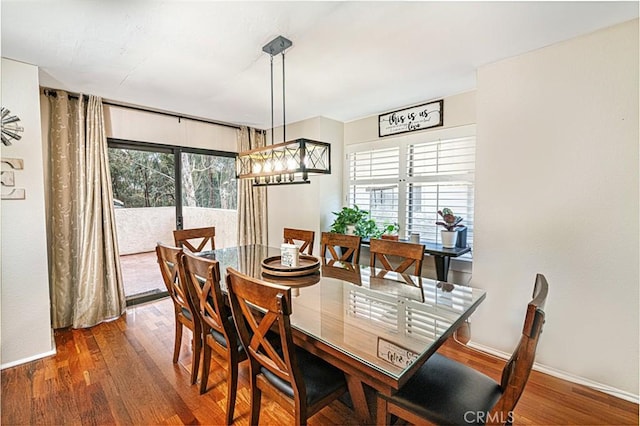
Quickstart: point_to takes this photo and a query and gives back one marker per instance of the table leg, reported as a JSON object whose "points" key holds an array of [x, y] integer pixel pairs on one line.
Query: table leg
{"points": [[442, 267], [359, 399]]}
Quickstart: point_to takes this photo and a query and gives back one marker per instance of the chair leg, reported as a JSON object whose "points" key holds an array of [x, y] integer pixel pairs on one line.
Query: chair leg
{"points": [[232, 387], [301, 415], [196, 349], [382, 414], [176, 348], [255, 402], [206, 361]]}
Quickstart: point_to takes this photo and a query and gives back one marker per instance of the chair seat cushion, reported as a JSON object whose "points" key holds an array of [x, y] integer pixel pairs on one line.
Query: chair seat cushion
{"points": [[320, 377], [446, 392], [186, 312], [219, 337]]}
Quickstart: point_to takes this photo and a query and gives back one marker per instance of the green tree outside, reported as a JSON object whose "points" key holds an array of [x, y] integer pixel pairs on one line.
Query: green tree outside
{"points": [[146, 179]]}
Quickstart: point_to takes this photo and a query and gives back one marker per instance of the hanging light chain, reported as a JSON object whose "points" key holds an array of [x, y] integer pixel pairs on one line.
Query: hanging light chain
{"points": [[272, 122], [284, 121]]}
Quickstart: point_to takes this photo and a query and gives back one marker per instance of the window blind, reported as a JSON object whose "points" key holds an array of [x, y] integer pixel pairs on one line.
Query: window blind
{"points": [[373, 177], [369, 307], [409, 179]]}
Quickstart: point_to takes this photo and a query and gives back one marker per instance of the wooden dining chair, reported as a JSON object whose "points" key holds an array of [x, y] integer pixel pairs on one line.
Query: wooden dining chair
{"points": [[409, 254], [184, 238], [290, 236], [275, 362], [202, 278], [349, 246], [444, 391], [185, 311]]}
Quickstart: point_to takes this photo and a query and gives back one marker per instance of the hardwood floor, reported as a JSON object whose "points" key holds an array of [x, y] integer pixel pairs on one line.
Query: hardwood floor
{"points": [[121, 373]]}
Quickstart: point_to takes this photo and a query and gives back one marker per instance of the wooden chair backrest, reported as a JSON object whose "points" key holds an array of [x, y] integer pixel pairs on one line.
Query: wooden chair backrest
{"points": [[411, 254], [330, 240], [183, 238], [202, 279], [290, 236], [516, 372], [275, 302], [169, 261]]}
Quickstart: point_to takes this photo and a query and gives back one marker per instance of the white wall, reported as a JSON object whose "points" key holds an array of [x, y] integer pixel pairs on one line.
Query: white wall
{"points": [[142, 126], [25, 308], [308, 206], [557, 193], [458, 110]]}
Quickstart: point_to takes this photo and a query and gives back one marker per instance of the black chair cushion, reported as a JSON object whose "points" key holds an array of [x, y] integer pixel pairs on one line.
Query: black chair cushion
{"points": [[320, 377], [219, 337], [446, 392], [186, 313]]}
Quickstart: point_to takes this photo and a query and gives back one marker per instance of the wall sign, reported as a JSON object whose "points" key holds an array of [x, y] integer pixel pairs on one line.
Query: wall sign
{"points": [[411, 119], [8, 181]]}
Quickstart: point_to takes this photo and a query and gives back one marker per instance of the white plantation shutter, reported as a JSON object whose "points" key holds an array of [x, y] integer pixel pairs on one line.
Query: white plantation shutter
{"points": [[439, 174], [369, 306], [407, 180], [422, 325], [373, 183]]}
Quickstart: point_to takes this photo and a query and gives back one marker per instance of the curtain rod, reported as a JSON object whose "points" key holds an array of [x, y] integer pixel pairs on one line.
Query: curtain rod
{"points": [[52, 92]]}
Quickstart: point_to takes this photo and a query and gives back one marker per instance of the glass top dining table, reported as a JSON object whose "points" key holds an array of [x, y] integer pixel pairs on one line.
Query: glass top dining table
{"points": [[378, 326]]}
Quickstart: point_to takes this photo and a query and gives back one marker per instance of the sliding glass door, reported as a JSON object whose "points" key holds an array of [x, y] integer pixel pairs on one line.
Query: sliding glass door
{"points": [[210, 194], [144, 178], [144, 188]]}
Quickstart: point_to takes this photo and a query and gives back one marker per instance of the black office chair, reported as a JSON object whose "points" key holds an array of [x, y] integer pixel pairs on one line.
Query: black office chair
{"points": [[446, 392]]}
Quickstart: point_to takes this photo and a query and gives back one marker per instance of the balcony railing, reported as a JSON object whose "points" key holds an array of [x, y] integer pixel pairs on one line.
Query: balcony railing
{"points": [[139, 229]]}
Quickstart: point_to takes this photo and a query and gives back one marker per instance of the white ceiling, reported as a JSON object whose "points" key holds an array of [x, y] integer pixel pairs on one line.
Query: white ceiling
{"points": [[348, 60]]}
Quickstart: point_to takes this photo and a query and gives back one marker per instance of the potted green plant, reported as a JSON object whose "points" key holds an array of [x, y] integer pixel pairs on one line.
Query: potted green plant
{"points": [[450, 222], [348, 220], [367, 228], [354, 221], [390, 231]]}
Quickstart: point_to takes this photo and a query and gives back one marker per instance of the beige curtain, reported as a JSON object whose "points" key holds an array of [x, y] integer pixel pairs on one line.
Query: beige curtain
{"points": [[86, 281], [252, 201]]}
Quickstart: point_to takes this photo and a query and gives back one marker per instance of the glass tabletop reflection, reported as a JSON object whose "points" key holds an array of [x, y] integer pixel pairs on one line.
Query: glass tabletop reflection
{"points": [[385, 320]]}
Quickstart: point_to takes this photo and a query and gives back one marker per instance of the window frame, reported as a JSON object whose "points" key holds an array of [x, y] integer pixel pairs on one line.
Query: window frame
{"points": [[177, 152], [403, 180]]}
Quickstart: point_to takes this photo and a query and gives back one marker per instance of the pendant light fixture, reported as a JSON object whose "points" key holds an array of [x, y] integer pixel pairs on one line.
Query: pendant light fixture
{"points": [[287, 162]]}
